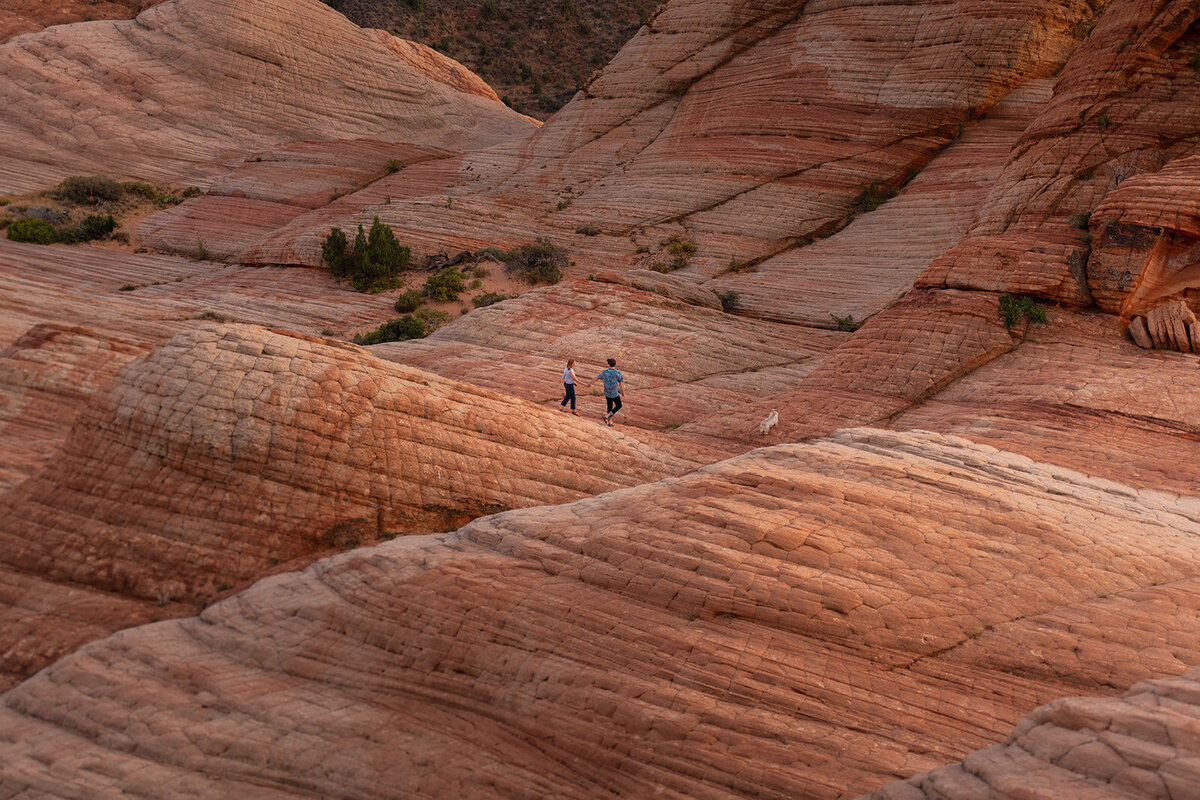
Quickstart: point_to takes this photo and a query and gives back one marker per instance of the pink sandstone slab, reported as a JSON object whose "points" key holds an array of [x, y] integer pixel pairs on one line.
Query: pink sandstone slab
{"points": [[190, 86], [783, 624]]}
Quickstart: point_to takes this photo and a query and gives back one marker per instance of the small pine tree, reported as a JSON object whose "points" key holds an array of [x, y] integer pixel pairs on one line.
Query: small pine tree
{"points": [[384, 251], [333, 252]]}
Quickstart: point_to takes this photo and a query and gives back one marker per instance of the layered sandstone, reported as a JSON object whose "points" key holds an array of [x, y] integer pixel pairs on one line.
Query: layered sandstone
{"points": [[230, 449], [190, 84], [1142, 744], [679, 360], [802, 621], [745, 129]]}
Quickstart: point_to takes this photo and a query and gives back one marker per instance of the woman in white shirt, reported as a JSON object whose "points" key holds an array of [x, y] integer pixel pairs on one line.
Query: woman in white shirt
{"points": [[569, 381]]}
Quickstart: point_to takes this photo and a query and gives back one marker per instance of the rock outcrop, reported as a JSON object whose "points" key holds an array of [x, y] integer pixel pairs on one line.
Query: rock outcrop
{"points": [[190, 84], [802, 621], [228, 450], [1142, 744]]}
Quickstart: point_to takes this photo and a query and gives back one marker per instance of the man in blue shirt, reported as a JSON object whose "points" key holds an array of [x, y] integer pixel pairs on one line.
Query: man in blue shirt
{"points": [[613, 381]]}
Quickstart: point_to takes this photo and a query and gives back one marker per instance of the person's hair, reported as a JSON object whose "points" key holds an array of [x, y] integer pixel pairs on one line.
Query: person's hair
{"points": [[570, 361], [612, 362]]}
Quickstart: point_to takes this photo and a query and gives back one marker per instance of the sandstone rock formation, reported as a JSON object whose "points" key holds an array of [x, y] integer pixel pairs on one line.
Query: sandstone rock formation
{"points": [[191, 84], [679, 360], [28, 16], [228, 450], [1142, 744], [668, 138], [802, 621]]}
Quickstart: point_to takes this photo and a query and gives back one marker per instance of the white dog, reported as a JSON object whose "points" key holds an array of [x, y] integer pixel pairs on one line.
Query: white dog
{"points": [[770, 422]]}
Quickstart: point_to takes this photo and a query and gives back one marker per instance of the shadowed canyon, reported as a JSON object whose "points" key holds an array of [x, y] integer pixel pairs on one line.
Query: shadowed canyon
{"points": [[902, 503]]}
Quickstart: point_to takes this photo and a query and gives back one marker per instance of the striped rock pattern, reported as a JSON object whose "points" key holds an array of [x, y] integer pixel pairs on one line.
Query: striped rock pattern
{"points": [[1140, 745], [177, 92], [804, 621]]}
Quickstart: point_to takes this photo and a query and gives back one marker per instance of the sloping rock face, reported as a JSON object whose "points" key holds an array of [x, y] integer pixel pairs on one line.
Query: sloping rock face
{"points": [[1139, 745], [802, 621], [190, 83], [747, 129], [28, 16], [228, 450], [679, 360]]}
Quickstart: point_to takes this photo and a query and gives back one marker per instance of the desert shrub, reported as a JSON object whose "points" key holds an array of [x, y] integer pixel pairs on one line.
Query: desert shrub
{"points": [[588, 230], [53, 216], [151, 192], [846, 323], [191, 191], [431, 318], [408, 302], [400, 329], [487, 299], [660, 266], [444, 286], [872, 196], [729, 300], [1080, 220], [72, 236], [200, 252], [98, 227], [476, 283], [537, 262], [34, 231], [680, 249], [480, 272], [127, 287], [373, 261], [392, 166], [83, 190], [1014, 308]]}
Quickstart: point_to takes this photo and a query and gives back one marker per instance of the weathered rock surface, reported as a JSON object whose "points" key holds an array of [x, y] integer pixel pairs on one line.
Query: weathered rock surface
{"points": [[229, 449], [177, 92], [679, 360], [46, 377], [273, 188], [1140, 745], [1076, 392], [28, 16], [784, 624], [746, 129]]}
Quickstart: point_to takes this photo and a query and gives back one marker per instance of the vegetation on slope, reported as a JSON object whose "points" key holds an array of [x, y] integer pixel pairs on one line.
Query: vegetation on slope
{"points": [[535, 53]]}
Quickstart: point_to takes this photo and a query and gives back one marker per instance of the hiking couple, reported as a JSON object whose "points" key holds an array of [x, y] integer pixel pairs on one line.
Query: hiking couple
{"points": [[613, 381]]}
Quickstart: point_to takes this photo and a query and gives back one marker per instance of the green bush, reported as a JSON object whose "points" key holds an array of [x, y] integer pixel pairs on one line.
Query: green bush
{"points": [[537, 262], [333, 253], [588, 230], [72, 236], [729, 300], [150, 192], [400, 329], [408, 302], [846, 323], [660, 266], [371, 263], [34, 231], [487, 299], [1080, 220], [1013, 308], [97, 227], [83, 190], [444, 286], [872, 196]]}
